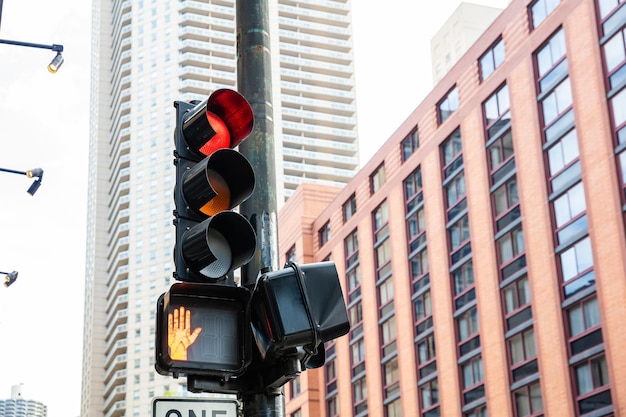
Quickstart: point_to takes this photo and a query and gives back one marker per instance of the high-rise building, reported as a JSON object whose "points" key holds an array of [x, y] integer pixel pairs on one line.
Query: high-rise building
{"points": [[18, 406], [483, 248], [458, 34], [145, 55]]}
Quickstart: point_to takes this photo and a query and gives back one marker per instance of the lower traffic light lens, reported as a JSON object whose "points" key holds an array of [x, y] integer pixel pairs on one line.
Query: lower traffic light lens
{"points": [[222, 252], [218, 245]]}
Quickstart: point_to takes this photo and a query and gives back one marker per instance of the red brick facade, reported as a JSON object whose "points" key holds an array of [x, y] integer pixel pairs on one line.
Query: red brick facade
{"points": [[523, 292]]}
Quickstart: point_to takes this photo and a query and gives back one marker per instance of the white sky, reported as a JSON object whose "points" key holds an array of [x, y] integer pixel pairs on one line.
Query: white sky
{"points": [[44, 123]]}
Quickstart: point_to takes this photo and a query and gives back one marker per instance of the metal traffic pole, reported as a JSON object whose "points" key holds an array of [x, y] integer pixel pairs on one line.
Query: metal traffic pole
{"points": [[254, 82]]}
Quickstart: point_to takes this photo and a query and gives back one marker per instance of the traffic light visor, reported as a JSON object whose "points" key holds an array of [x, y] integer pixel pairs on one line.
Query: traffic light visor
{"points": [[218, 245], [302, 305], [220, 182], [222, 121]]}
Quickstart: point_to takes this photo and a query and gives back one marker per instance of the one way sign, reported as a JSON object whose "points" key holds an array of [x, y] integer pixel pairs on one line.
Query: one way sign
{"points": [[193, 407]]}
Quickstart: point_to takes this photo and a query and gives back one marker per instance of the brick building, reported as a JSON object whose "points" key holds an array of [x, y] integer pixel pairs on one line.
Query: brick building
{"points": [[482, 249]]}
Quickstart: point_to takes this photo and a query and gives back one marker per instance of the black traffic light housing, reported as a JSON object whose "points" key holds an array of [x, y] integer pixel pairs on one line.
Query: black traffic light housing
{"points": [[297, 309], [202, 329], [211, 180]]}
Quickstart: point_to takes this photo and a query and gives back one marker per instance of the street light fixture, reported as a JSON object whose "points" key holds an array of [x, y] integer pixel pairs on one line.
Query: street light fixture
{"points": [[10, 278], [56, 62], [36, 173]]}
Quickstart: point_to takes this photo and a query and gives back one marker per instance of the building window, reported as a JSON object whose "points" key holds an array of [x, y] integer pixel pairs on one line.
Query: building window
{"points": [[330, 373], [385, 297], [394, 408], [540, 10], [355, 313], [391, 378], [349, 208], [510, 245], [557, 102], [383, 259], [516, 298], [353, 277], [380, 218], [622, 165], [413, 190], [528, 401], [418, 265], [451, 151], [455, 190], [563, 161], [569, 213], [459, 233], [615, 58], [377, 179], [426, 355], [448, 105], [523, 354], [290, 256], [608, 6], [323, 234], [297, 413], [357, 356], [477, 412], [496, 110], [426, 349], [500, 153], [423, 306], [576, 259], [592, 383], [409, 145], [429, 394], [332, 406], [472, 372], [467, 326], [294, 387], [416, 229], [584, 325], [359, 393], [351, 249], [618, 107], [463, 281], [506, 204], [551, 62], [388, 336], [491, 59]]}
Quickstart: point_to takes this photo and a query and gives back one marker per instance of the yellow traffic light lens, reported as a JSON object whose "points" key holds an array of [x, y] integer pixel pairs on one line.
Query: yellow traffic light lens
{"points": [[222, 199]]}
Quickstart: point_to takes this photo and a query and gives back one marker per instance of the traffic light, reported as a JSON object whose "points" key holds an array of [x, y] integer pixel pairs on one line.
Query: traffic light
{"points": [[297, 309], [202, 330], [211, 180], [202, 324], [10, 278]]}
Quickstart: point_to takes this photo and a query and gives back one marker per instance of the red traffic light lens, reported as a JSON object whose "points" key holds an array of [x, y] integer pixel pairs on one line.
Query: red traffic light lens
{"points": [[235, 111], [222, 135], [224, 120]]}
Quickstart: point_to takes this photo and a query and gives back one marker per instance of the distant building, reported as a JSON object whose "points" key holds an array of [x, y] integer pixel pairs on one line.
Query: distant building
{"points": [[457, 34], [482, 250], [17, 406], [145, 55]]}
